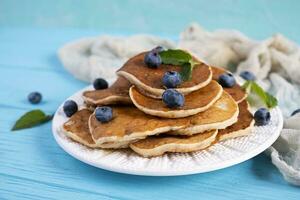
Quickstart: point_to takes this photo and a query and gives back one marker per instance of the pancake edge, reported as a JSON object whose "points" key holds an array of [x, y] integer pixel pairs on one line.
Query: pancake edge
{"points": [[114, 145], [235, 134], [238, 133], [242, 99], [108, 145], [114, 99], [157, 93], [173, 147], [205, 127], [175, 113], [133, 136], [77, 139]]}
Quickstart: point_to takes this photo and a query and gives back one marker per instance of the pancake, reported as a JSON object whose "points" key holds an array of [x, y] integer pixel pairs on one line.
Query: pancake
{"points": [[195, 102], [130, 124], [77, 129], [149, 80], [158, 145], [237, 92], [242, 127], [117, 93], [220, 115]]}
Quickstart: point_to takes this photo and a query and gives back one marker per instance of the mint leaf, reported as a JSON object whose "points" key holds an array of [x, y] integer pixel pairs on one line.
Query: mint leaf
{"points": [[268, 99], [271, 101], [247, 86], [30, 119], [175, 57], [186, 71], [252, 87], [179, 57]]}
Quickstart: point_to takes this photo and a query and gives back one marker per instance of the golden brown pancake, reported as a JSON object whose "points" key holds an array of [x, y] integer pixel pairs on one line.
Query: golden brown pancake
{"points": [[131, 124], [195, 102], [158, 145], [220, 115], [77, 129], [149, 80], [242, 127], [117, 93], [237, 93]]}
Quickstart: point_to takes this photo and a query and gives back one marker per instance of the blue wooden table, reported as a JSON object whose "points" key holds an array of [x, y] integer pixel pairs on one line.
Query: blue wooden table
{"points": [[33, 166]]}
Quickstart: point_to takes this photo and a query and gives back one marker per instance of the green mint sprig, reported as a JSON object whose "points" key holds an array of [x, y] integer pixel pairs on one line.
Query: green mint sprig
{"points": [[31, 119], [181, 58], [252, 87]]}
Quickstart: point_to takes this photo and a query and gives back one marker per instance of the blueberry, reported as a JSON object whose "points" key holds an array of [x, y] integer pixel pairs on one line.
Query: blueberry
{"points": [[100, 84], [262, 117], [34, 97], [226, 80], [158, 49], [248, 76], [152, 59], [171, 79], [295, 112], [172, 98], [70, 107], [104, 113]]}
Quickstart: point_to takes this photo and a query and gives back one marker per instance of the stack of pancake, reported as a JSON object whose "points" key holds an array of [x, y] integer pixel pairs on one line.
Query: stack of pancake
{"points": [[142, 122]]}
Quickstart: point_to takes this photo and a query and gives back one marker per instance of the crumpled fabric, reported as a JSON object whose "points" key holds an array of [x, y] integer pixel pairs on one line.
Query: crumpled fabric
{"points": [[274, 61], [229, 47], [285, 152], [91, 58], [276, 65]]}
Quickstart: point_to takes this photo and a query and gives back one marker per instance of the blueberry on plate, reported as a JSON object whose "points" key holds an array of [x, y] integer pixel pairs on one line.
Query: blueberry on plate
{"points": [[152, 59], [100, 84], [70, 108], [171, 79], [295, 112], [158, 49], [248, 76], [226, 80], [172, 98], [103, 114], [35, 97], [262, 117]]}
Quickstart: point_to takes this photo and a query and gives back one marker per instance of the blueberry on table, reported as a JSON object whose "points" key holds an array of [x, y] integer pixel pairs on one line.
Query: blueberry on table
{"points": [[248, 76], [226, 80], [262, 117], [34, 97], [171, 79], [152, 59], [103, 114], [172, 98], [100, 84], [295, 112], [70, 108]]}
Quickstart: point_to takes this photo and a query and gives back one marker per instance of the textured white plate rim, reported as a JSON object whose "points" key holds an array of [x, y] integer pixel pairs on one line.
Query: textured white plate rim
{"points": [[107, 166]]}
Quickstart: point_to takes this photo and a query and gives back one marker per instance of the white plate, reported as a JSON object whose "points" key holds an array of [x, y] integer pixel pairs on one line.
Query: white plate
{"points": [[218, 156]]}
